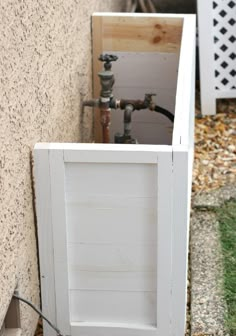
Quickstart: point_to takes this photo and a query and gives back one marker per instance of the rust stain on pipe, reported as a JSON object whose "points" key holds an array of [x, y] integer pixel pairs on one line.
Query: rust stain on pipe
{"points": [[105, 122]]}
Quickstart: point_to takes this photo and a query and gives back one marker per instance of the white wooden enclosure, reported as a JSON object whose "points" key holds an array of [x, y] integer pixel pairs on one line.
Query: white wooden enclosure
{"points": [[217, 51], [113, 220]]}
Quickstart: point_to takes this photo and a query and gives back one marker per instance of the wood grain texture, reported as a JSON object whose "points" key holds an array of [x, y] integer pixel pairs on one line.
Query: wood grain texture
{"points": [[139, 34]]}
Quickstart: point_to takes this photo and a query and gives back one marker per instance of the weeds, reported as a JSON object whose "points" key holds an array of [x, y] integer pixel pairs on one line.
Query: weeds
{"points": [[227, 220]]}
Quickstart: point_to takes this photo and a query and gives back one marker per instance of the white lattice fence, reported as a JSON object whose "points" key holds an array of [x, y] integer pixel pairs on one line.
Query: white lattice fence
{"points": [[217, 42]]}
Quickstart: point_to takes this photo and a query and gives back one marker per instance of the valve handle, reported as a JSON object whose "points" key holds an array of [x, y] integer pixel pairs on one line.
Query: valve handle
{"points": [[150, 95], [149, 101], [107, 59]]}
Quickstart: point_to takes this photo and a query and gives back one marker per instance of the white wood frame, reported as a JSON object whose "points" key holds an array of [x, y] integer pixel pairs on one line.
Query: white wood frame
{"points": [[53, 157], [172, 236], [209, 93], [173, 208]]}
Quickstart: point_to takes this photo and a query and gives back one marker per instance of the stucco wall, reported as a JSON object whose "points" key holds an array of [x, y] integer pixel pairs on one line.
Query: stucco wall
{"points": [[45, 69]]}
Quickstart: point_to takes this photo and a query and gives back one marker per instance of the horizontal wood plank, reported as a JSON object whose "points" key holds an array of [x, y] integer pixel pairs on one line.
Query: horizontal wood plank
{"points": [[112, 281], [140, 34], [104, 179], [110, 257], [114, 329], [113, 306], [122, 225]]}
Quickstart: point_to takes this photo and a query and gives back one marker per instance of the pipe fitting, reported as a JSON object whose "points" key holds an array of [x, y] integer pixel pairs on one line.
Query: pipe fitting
{"points": [[91, 103], [106, 102]]}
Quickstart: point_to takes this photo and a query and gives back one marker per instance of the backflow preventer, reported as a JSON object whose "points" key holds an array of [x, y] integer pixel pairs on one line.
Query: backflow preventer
{"points": [[106, 102]]}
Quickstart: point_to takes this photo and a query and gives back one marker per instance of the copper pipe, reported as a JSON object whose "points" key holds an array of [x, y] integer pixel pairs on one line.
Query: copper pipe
{"points": [[105, 122], [137, 104]]}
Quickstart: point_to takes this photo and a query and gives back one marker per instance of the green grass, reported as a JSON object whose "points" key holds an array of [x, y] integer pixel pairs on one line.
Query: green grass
{"points": [[227, 219]]}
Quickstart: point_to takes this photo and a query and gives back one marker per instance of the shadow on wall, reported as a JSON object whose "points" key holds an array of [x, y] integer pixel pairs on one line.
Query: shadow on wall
{"points": [[163, 6], [176, 6]]}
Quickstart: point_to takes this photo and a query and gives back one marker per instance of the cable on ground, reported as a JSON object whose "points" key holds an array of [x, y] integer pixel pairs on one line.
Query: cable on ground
{"points": [[16, 296]]}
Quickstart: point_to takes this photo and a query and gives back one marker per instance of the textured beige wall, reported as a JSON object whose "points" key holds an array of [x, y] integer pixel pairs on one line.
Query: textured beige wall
{"points": [[45, 69]]}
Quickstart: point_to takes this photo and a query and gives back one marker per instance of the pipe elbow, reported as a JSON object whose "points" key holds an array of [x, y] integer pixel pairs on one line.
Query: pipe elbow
{"points": [[129, 108]]}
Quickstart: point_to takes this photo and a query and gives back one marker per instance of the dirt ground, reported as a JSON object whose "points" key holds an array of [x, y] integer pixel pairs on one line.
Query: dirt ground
{"points": [[215, 147]]}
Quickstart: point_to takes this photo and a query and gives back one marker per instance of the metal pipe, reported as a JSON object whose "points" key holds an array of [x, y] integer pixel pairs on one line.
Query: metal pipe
{"points": [[91, 103], [107, 81], [129, 108], [107, 101], [105, 117], [138, 104]]}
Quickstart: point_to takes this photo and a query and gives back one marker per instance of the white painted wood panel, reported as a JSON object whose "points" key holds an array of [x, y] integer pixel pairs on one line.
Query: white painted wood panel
{"points": [[58, 220], [113, 280], [112, 257], [112, 153], [185, 100], [139, 223], [102, 251], [45, 234], [136, 180], [164, 242], [114, 329], [128, 268], [114, 307], [182, 182]]}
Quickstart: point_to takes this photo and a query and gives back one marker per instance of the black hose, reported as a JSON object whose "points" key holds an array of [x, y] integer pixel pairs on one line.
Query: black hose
{"points": [[166, 113], [16, 296]]}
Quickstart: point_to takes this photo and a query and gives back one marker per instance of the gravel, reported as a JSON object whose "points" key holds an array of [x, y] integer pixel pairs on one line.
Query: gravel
{"points": [[207, 304]]}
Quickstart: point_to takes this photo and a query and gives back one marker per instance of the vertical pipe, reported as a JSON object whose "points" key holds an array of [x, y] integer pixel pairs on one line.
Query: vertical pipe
{"points": [[105, 122]]}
